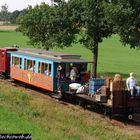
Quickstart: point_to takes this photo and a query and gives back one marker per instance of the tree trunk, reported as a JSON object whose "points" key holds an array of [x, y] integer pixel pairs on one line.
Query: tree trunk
{"points": [[95, 59]]}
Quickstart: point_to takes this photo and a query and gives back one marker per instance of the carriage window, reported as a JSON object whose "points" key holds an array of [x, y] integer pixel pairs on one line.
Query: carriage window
{"points": [[16, 62], [44, 68], [29, 65]]}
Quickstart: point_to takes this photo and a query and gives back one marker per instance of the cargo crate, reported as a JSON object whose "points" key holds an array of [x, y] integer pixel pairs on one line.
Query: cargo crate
{"points": [[101, 98], [94, 85], [118, 86]]}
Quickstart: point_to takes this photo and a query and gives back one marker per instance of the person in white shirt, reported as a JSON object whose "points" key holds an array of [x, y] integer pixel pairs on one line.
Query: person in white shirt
{"points": [[73, 74], [131, 83]]}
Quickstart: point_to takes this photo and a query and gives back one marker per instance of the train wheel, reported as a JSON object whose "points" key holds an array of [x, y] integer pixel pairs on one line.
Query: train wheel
{"points": [[130, 116]]}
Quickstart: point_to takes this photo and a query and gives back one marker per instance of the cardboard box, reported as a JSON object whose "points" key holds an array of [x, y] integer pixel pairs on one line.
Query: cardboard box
{"points": [[100, 98], [105, 90], [109, 102]]}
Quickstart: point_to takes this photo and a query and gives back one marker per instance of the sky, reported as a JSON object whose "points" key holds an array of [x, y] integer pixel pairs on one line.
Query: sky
{"points": [[21, 4]]}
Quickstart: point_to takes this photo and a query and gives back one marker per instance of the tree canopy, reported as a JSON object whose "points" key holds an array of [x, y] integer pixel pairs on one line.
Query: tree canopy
{"points": [[59, 24], [4, 14], [125, 16], [94, 24], [48, 26]]}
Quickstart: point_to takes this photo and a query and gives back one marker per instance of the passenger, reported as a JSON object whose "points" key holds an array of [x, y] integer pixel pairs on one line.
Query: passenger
{"points": [[87, 76], [60, 77], [131, 83], [32, 69], [46, 72], [60, 72], [83, 73], [18, 66], [39, 69], [73, 74]]}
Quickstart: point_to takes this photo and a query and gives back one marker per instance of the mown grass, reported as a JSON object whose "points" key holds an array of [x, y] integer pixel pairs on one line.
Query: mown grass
{"points": [[46, 119], [9, 38]]}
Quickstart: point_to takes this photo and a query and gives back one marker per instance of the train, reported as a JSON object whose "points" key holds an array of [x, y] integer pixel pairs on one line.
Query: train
{"points": [[52, 71]]}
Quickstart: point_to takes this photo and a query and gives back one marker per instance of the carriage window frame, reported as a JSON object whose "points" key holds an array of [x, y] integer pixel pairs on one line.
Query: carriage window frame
{"points": [[17, 62], [44, 68], [29, 65]]}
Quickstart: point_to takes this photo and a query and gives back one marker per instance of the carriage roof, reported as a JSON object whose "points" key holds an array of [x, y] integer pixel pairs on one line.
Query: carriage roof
{"points": [[54, 56]]}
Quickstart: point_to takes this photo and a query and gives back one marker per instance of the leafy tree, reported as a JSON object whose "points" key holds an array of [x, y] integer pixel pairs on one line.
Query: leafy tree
{"points": [[58, 25], [4, 13], [23, 12], [13, 16], [125, 15], [86, 18], [42, 25], [35, 24]]}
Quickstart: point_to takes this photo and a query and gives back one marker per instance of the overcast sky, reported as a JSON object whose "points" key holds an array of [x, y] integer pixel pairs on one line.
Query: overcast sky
{"points": [[21, 4]]}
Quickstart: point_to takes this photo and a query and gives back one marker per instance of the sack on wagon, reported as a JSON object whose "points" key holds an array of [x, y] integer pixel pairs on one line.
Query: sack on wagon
{"points": [[83, 89]]}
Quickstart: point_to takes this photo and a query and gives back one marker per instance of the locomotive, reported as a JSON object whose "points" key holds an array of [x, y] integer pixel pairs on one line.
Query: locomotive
{"points": [[52, 71]]}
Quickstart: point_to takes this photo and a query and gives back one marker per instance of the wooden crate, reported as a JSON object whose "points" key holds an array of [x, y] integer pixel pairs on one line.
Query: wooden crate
{"points": [[118, 86]]}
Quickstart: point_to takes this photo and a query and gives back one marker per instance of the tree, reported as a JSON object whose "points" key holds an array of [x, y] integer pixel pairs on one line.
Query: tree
{"points": [[13, 16], [86, 18], [42, 25], [4, 13], [58, 25], [35, 24], [125, 15], [23, 12]]}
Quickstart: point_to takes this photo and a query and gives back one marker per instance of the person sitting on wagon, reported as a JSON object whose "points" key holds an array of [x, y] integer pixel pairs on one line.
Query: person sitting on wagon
{"points": [[131, 83]]}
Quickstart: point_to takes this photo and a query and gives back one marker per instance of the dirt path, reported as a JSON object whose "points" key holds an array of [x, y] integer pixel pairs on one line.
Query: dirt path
{"points": [[7, 27]]}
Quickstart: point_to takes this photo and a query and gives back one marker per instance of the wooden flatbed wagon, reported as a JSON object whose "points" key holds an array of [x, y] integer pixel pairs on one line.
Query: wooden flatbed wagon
{"points": [[121, 104]]}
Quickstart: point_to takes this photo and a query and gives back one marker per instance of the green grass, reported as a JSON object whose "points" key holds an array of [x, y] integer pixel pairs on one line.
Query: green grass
{"points": [[46, 119], [116, 58], [9, 38]]}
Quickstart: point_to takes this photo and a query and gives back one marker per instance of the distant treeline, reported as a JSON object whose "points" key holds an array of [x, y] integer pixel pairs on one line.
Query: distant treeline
{"points": [[11, 17]]}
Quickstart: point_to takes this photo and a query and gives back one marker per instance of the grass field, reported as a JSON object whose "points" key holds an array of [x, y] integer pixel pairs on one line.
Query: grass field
{"points": [[46, 119], [113, 56]]}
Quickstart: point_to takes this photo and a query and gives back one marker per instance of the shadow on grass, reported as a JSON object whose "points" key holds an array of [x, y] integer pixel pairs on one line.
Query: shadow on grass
{"points": [[5, 31]]}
